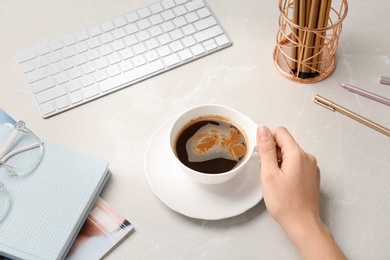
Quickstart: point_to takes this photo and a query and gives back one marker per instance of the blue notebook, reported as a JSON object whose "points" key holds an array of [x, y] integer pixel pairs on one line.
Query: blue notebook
{"points": [[49, 205]]}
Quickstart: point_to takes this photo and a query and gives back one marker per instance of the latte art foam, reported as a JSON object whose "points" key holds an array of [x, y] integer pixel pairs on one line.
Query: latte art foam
{"points": [[211, 144], [216, 141]]}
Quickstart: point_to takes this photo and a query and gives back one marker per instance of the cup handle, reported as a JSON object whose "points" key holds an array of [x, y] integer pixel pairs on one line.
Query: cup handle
{"points": [[255, 153]]}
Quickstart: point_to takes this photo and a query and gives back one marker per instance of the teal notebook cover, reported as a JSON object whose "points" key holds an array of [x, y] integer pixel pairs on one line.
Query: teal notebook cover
{"points": [[49, 205]]}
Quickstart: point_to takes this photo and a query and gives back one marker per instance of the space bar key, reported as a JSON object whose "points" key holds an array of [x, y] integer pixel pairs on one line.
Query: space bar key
{"points": [[130, 76]]}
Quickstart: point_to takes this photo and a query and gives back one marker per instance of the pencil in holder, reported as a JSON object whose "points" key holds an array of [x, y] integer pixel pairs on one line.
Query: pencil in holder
{"points": [[307, 39]]}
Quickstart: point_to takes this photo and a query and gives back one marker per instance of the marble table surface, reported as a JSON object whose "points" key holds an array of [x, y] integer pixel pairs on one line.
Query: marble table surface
{"points": [[354, 159]]}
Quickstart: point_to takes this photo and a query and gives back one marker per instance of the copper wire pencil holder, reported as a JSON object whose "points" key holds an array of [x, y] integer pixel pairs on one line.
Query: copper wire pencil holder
{"points": [[307, 41]]}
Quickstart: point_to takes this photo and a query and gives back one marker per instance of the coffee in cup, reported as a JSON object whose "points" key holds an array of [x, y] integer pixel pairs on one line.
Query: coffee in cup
{"points": [[212, 143]]}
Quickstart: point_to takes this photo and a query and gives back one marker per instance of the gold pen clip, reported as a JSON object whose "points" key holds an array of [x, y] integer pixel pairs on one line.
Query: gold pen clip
{"points": [[324, 102]]}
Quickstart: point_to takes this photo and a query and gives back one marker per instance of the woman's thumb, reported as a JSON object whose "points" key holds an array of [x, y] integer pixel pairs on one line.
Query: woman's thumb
{"points": [[267, 148]]}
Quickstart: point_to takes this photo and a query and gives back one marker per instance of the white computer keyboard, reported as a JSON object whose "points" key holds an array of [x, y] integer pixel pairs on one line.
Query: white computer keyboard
{"points": [[92, 62]]}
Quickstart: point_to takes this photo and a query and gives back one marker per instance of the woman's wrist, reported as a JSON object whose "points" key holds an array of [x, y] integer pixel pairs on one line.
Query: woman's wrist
{"points": [[313, 239]]}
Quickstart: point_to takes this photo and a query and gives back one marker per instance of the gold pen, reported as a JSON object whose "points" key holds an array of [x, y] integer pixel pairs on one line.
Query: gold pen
{"points": [[334, 107]]}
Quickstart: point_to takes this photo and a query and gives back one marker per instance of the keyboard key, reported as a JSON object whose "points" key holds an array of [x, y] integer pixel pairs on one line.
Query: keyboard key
{"points": [[47, 108], [189, 29], [75, 97], [171, 60], [94, 31], [185, 54], [99, 75], [130, 76], [132, 17], [81, 35], [205, 23], [56, 45], [176, 46], [120, 21], [35, 75], [90, 91], [204, 12], [86, 81], [179, 22], [54, 57], [27, 66], [92, 55], [118, 45], [104, 50], [168, 15], [107, 26], [119, 33], [208, 33], [164, 39], [168, 4], [194, 5], [42, 50], [93, 43], [179, 10], [197, 50], [210, 45], [125, 65], [101, 63], [66, 64], [126, 53], [68, 52], [188, 41], [144, 12], [222, 40], [87, 68], [41, 85], [114, 58], [138, 61], [72, 86], [69, 40], [113, 71], [191, 17], [151, 56], [41, 62], [74, 73], [176, 34], [155, 31], [164, 51], [156, 8], [139, 48], [61, 78], [50, 94], [80, 47], [52, 70], [156, 19], [79, 59], [61, 102]]}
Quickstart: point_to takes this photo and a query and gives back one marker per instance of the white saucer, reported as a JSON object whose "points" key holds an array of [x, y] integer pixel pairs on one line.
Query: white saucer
{"points": [[193, 199]]}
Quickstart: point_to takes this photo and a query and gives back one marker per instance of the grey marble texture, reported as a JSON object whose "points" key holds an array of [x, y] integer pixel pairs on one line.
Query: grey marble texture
{"points": [[354, 159]]}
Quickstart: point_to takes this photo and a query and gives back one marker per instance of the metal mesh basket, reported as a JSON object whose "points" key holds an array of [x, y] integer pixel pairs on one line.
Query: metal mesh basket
{"points": [[303, 53]]}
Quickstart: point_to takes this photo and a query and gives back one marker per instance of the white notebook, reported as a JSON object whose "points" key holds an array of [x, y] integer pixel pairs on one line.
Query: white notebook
{"points": [[49, 205]]}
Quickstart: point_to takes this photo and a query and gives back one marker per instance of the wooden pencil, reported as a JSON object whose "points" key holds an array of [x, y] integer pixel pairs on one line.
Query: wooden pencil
{"points": [[322, 23], [294, 37], [301, 33], [309, 43]]}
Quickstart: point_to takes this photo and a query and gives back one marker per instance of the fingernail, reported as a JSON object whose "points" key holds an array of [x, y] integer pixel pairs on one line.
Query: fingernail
{"points": [[262, 132]]}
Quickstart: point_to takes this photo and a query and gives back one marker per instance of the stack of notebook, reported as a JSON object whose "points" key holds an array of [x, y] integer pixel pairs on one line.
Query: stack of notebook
{"points": [[49, 205]]}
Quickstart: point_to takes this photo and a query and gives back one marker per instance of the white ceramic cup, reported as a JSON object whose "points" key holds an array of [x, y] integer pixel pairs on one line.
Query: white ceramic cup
{"points": [[247, 127]]}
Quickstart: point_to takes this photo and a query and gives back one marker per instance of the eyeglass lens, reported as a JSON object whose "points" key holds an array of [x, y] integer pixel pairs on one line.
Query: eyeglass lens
{"points": [[23, 154], [4, 201]]}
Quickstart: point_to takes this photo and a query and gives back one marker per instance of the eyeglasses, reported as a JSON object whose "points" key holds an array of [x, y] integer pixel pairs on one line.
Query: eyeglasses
{"points": [[20, 154]]}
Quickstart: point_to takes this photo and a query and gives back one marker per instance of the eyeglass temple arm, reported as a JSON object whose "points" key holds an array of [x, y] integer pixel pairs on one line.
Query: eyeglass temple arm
{"points": [[9, 142], [19, 150]]}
